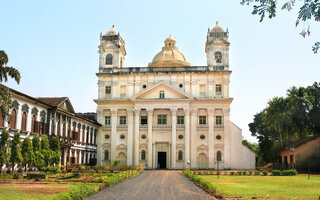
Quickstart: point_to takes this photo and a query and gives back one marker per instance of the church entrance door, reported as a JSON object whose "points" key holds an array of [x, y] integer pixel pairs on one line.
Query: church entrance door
{"points": [[162, 160]]}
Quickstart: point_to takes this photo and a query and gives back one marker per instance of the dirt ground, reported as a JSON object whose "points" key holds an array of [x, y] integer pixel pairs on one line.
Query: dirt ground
{"points": [[33, 188], [154, 184]]}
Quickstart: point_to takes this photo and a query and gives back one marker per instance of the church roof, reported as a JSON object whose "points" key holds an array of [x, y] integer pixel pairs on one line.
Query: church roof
{"points": [[217, 29], [169, 55], [53, 101], [111, 31]]}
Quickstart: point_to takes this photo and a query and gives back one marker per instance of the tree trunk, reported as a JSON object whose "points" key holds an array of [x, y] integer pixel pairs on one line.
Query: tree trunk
{"points": [[12, 167], [281, 139]]}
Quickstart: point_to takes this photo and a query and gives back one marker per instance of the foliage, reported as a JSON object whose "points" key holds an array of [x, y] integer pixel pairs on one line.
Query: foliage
{"points": [[265, 172], [286, 120], [55, 144], [5, 73], [45, 143], [50, 157], [4, 147], [36, 143], [16, 156], [77, 192], [51, 169], [116, 163], [39, 159], [310, 9], [27, 152]]}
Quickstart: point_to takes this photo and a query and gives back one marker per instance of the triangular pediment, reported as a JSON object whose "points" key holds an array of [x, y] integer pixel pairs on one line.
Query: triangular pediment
{"points": [[66, 106], [170, 92]]}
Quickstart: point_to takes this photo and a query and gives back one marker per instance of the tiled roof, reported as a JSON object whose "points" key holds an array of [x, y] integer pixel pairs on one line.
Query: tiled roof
{"points": [[53, 101], [302, 141]]}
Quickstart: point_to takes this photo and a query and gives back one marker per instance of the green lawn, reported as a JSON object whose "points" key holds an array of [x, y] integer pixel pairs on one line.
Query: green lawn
{"points": [[275, 187], [28, 193]]}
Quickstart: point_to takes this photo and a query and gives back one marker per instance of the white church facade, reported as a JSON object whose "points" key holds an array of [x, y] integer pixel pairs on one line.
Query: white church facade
{"points": [[169, 114]]}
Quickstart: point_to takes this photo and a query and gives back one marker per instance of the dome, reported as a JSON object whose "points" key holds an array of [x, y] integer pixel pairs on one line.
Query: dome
{"points": [[169, 56], [217, 28], [112, 31]]}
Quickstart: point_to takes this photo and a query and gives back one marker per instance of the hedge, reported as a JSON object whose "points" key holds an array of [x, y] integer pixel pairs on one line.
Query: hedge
{"points": [[206, 185], [78, 192], [290, 172]]}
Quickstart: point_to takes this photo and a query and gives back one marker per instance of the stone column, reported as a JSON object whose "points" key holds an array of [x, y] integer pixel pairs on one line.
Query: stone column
{"points": [[186, 136], [227, 140], [18, 119], [174, 137], [130, 137], [29, 121], [211, 137], [85, 158], [114, 113], [136, 137], [150, 113], [193, 137]]}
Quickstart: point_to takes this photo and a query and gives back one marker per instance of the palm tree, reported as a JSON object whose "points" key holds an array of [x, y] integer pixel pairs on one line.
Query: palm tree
{"points": [[301, 102], [5, 73], [278, 117]]}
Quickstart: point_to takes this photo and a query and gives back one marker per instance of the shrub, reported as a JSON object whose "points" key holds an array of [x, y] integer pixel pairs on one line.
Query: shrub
{"points": [[276, 173], [51, 169], [244, 173], [265, 172], [290, 172], [239, 173], [257, 173], [206, 185], [231, 173], [77, 192], [250, 172]]}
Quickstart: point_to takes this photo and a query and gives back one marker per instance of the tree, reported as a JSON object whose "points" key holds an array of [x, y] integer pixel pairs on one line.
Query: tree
{"points": [[4, 147], [45, 143], [301, 101], [266, 137], [314, 113], [15, 156], [36, 143], [27, 152], [55, 144], [37, 153], [5, 95], [310, 9]]}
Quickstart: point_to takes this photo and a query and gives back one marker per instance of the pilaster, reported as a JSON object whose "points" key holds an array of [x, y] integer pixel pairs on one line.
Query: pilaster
{"points": [[187, 136], [211, 137], [114, 113], [130, 137], [174, 137], [150, 115], [194, 113], [136, 137], [227, 139]]}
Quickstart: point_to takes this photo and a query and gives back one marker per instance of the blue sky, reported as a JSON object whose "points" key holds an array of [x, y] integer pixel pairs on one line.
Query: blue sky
{"points": [[54, 46]]}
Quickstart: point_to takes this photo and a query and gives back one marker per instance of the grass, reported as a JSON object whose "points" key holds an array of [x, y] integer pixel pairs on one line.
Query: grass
{"points": [[26, 193], [273, 187]]}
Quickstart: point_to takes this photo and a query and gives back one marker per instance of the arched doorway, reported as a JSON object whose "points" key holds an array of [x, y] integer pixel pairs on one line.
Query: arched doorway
{"points": [[202, 161], [123, 159]]}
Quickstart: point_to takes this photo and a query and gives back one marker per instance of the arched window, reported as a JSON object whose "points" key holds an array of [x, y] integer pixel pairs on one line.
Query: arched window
{"points": [[219, 157], [33, 124], [24, 121], [1, 120], [143, 155], [218, 57], [106, 155], [161, 94], [13, 119], [109, 59], [41, 128], [180, 155]]}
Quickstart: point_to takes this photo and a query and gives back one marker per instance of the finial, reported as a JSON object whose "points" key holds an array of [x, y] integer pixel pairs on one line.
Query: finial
{"points": [[112, 26], [227, 30], [216, 22], [208, 28]]}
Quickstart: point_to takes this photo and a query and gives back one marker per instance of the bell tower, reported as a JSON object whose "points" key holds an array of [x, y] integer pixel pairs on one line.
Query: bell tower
{"points": [[112, 50], [217, 47]]}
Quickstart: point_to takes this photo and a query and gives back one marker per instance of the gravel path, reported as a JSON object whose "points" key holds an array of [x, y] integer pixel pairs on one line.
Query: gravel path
{"points": [[154, 184]]}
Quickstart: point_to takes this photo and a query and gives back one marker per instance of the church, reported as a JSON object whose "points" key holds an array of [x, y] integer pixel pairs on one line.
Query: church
{"points": [[169, 114]]}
